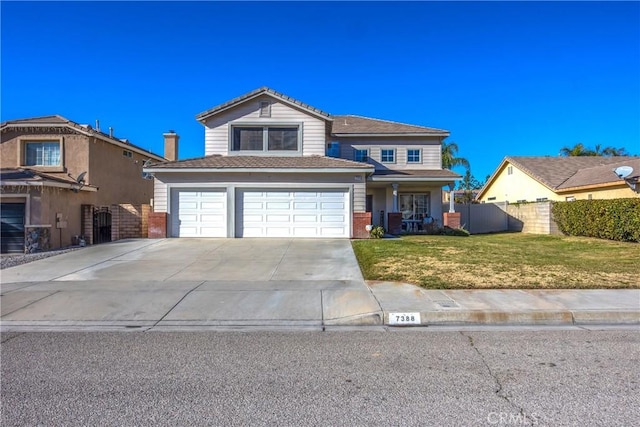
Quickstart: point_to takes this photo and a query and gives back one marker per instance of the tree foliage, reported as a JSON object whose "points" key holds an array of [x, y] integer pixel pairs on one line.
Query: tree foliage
{"points": [[450, 158], [581, 150]]}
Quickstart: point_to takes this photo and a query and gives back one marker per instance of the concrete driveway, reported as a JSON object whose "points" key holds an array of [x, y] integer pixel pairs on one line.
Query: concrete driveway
{"points": [[191, 282]]}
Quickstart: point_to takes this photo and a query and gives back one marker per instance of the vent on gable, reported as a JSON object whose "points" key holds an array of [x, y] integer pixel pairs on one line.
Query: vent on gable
{"points": [[265, 109]]}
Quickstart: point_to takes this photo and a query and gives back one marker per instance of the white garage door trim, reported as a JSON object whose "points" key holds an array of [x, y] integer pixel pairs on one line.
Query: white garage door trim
{"points": [[199, 212], [300, 212]]}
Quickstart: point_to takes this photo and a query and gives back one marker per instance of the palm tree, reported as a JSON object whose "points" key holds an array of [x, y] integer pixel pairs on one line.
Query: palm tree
{"points": [[611, 151], [577, 150], [449, 159], [580, 150]]}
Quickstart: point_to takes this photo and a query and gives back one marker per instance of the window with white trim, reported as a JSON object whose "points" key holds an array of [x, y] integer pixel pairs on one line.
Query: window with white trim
{"points": [[42, 153], [414, 206], [361, 155], [265, 138], [388, 155], [413, 155]]}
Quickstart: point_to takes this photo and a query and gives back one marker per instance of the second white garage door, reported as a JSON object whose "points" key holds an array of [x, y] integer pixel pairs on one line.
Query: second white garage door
{"points": [[300, 213], [198, 213]]}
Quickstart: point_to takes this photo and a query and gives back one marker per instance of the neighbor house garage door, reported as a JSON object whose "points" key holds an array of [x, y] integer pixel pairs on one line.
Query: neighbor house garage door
{"points": [[12, 232], [299, 213], [199, 213]]}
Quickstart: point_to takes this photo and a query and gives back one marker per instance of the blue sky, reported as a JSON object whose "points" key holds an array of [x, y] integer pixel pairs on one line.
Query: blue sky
{"points": [[506, 78]]}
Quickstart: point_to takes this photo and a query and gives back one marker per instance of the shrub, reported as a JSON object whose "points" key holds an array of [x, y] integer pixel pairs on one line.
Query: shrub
{"points": [[615, 219], [377, 232], [461, 232]]}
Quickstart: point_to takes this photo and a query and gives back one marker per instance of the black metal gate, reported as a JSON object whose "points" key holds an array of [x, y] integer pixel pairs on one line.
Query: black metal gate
{"points": [[101, 226]]}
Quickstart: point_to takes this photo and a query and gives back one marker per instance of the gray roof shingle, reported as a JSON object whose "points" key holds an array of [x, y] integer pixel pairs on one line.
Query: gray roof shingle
{"points": [[263, 162], [351, 124], [568, 172]]}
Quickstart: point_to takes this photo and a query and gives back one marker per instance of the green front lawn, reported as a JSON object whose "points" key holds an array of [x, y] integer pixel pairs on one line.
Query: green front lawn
{"points": [[510, 260]]}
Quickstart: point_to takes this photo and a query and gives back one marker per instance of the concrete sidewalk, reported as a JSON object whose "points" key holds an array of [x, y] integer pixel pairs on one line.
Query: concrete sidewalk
{"points": [[509, 307]]}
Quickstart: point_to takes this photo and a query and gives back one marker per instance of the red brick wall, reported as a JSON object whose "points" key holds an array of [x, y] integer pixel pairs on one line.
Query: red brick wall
{"points": [[360, 221], [129, 221], [452, 219], [87, 223], [157, 225], [394, 220], [146, 209]]}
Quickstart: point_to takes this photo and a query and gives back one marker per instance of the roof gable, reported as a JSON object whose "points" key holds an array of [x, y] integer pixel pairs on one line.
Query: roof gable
{"points": [[256, 93]]}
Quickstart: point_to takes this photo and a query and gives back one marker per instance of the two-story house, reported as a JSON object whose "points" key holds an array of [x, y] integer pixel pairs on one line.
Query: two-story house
{"points": [[52, 167], [277, 167]]}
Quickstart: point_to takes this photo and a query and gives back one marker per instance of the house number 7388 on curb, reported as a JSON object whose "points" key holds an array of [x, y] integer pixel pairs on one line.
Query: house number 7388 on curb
{"points": [[404, 318]]}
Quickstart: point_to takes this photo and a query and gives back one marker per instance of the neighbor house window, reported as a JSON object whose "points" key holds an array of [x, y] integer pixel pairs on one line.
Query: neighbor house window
{"points": [[360, 155], [265, 138], [413, 156], [127, 153], [387, 155], [509, 170], [44, 153]]}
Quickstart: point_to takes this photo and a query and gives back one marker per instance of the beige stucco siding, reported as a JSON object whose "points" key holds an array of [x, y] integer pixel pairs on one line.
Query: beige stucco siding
{"points": [[516, 186], [354, 182], [217, 127], [430, 157]]}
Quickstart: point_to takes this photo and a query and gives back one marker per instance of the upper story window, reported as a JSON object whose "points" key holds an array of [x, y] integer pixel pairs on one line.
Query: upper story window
{"points": [[127, 153], [413, 156], [388, 155], [42, 153], [265, 109], [509, 170], [265, 138], [361, 155]]}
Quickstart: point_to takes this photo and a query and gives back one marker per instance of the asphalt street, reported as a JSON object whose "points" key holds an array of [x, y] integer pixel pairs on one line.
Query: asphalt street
{"points": [[422, 376]]}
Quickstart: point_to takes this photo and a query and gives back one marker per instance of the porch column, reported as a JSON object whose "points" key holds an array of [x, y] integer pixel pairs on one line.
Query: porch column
{"points": [[395, 197], [452, 208]]}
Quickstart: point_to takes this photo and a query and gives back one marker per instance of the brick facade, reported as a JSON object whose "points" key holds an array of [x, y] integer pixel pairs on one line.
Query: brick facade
{"points": [[129, 221], [452, 219], [394, 222], [87, 223], [157, 225], [360, 222]]}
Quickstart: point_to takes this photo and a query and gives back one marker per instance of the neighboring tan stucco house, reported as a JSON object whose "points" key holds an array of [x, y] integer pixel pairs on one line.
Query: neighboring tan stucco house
{"points": [[531, 179], [52, 166], [277, 167]]}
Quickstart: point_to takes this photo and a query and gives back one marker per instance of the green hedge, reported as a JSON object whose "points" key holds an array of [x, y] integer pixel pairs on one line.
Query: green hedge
{"points": [[615, 219]]}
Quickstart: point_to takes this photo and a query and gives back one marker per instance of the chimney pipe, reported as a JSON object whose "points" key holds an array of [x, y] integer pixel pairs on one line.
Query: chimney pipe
{"points": [[171, 145], [98, 125], [110, 131]]}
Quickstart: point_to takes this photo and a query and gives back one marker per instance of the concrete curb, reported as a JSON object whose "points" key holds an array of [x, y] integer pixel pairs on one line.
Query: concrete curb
{"points": [[530, 317]]}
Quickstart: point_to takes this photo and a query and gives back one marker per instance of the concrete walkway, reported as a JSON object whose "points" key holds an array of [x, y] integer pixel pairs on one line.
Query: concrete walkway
{"points": [[195, 283]]}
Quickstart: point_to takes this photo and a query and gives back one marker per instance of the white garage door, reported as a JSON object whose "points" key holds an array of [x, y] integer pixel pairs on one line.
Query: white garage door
{"points": [[198, 213], [301, 213]]}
